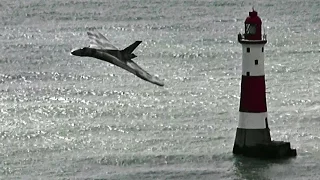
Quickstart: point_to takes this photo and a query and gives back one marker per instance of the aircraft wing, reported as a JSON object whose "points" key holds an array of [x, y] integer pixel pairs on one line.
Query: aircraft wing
{"points": [[129, 66], [141, 73], [99, 41]]}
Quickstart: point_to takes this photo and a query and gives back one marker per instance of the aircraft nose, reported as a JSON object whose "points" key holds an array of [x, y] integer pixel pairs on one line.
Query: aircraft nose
{"points": [[76, 52]]}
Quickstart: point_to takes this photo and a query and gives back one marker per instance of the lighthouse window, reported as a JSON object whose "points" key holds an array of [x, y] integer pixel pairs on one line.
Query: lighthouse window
{"points": [[248, 73], [266, 120], [248, 50], [250, 28], [256, 62], [262, 49]]}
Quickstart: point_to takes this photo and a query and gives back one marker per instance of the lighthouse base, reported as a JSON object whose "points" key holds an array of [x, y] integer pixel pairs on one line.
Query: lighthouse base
{"points": [[257, 143], [271, 150]]}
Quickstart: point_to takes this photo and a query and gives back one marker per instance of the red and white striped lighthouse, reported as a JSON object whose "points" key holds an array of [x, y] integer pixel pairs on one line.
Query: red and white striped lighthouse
{"points": [[253, 133]]}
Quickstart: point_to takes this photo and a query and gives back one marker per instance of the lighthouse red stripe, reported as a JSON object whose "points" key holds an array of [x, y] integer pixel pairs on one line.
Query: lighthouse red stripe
{"points": [[253, 94]]}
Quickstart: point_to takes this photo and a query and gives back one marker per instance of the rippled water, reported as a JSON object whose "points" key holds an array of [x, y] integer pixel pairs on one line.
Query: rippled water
{"points": [[77, 118]]}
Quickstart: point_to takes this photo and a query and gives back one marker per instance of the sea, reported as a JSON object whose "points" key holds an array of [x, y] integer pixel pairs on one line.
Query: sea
{"points": [[68, 117]]}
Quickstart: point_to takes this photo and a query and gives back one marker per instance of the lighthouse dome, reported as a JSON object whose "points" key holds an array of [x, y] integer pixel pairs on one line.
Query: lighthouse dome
{"points": [[253, 18]]}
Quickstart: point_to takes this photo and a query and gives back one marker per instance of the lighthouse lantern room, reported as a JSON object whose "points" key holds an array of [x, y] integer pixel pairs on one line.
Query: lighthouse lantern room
{"points": [[253, 133]]}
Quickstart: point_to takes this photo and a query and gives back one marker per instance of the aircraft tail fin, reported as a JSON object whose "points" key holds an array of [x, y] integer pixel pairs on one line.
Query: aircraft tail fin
{"points": [[131, 48]]}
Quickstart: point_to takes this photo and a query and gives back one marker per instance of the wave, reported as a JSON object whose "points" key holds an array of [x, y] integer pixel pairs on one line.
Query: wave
{"points": [[136, 159]]}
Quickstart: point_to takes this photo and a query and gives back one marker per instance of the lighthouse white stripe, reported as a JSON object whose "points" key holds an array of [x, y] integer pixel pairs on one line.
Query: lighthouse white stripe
{"points": [[252, 120], [248, 59]]}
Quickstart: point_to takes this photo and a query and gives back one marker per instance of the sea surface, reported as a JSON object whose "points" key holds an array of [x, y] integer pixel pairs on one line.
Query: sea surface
{"points": [[66, 117]]}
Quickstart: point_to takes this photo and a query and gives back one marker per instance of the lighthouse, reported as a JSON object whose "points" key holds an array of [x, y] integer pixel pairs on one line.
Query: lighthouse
{"points": [[253, 134]]}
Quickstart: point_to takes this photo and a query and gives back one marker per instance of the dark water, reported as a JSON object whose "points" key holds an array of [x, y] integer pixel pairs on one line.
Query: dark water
{"points": [[65, 117]]}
